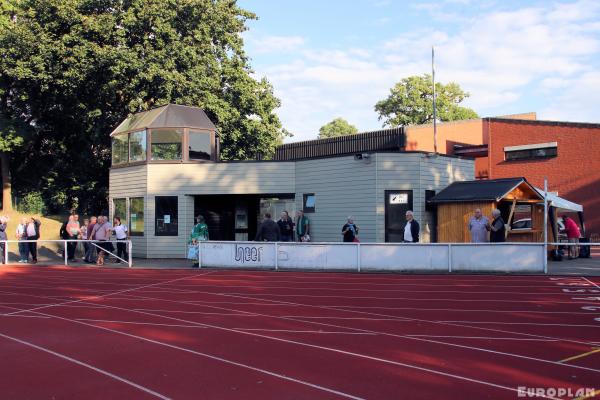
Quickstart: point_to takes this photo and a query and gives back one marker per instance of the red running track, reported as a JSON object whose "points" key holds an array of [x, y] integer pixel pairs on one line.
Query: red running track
{"points": [[88, 333]]}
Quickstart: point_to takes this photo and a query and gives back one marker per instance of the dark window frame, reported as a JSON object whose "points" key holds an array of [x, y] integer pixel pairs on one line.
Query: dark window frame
{"points": [[531, 154], [305, 208], [174, 217]]}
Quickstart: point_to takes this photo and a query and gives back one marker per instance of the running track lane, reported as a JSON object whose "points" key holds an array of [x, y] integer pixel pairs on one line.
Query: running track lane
{"points": [[233, 340]]}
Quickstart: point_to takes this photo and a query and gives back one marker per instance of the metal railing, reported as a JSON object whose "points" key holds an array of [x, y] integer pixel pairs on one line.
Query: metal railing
{"points": [[65, 242]]}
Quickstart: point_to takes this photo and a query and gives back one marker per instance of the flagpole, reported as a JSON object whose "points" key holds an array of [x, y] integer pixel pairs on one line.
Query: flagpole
{"points": [[434, 108]]}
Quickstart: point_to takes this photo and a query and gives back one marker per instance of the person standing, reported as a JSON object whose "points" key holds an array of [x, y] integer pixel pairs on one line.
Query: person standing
{"points": [[22, 236], [90, 253], [33, 233], [83, 235], [199, 234], [350, 230], [72, 233], [411, 229], [302, 227], [479, 227], [101, 233], [573, 235], [268, 231], [3, 225], [497, 228], [122, 234], [286, 227]]}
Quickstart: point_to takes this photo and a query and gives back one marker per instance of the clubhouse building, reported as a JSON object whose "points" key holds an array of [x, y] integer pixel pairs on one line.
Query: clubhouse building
{"points": [[166, 170]]}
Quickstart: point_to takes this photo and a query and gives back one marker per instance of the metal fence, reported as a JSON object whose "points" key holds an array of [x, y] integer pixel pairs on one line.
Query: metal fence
{"points": [[94, 243]]}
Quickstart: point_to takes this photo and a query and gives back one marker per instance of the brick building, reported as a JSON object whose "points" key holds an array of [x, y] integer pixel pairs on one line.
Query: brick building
{"points": [[567, 153]]}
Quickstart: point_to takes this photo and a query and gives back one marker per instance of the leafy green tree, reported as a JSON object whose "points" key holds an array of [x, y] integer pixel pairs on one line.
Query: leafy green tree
{"points": [[337, 127], [410, 102], [73, 69]]}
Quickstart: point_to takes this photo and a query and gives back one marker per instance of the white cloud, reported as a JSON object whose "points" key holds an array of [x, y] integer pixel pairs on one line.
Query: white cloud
{"points": [[499, 57]]}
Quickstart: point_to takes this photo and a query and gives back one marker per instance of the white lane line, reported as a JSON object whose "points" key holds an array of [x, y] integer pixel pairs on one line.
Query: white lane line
{"points": [[483, 338], [95, 297], [300, 331], [86, 365], [592, 283], [210, 356], [137, 323], [386, 298], [363, 356], [461, 310], [21, 316], [521, 323]]}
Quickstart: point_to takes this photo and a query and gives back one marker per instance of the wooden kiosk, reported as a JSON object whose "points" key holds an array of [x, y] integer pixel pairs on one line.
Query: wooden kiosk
{"points": [[521, 205]]}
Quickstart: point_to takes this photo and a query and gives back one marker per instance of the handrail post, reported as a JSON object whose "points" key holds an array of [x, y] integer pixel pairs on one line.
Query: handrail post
{"points": [[276, 256], [358, 261], [449, 257], [5, 252], [129, 247], [66, 254], [200, 254]]}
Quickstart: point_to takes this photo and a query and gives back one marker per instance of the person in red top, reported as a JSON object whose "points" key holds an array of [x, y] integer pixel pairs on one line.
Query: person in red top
{"points": [[573, 234]]}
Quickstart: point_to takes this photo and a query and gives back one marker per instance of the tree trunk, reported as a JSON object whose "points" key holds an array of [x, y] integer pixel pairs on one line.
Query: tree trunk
{"points": [[6, 189]]}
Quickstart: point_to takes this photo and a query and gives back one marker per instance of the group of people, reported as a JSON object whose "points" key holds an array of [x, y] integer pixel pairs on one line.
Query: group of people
{"points": [[28, 231], [285, 229], [95, 230]]}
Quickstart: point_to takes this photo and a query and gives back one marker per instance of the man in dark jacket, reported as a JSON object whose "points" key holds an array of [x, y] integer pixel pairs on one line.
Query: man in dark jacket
{"points": [[411, 229], [268, 231]]}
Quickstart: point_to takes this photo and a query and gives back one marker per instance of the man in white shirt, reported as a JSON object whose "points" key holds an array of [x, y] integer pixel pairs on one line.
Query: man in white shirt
{"points": [[411, 229]]}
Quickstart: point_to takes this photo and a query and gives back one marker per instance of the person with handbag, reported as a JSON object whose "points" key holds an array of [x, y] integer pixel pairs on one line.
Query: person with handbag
{"points": [[199, 233], [302, 227], [33, 233]]}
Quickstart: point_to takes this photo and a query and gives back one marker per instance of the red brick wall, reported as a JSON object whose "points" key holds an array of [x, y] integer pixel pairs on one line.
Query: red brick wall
{"points": [[574, 173]]}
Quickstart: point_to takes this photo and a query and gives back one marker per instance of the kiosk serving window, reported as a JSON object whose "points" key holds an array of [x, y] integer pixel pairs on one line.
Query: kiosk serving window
{"points": [[199, 145], [136, 216], [165, 220], [166, 144]]}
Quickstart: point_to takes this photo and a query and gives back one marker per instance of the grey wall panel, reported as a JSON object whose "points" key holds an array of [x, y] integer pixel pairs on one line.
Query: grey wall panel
{"points": [[343, 186]]}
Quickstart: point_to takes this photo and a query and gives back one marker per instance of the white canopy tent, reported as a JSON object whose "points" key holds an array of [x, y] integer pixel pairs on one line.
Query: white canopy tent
{"points": [[561, 204]]}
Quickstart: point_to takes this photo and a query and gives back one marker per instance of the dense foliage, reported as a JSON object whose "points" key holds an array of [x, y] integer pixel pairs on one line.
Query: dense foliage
{"points": [[411, 102], [71, 70], [337, 127]]}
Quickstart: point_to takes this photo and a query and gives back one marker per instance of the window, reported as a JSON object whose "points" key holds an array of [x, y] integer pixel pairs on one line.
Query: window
{"points": [[137, 146], [165, 216], [120, 209], [522, 217], [166, 144], [531, 151], [309, 201], [136, 216], [200, 146], [119, 149]]}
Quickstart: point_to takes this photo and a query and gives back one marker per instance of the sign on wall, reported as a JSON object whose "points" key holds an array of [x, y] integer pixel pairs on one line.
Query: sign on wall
{"points": [[398, 198], [240, 254]]}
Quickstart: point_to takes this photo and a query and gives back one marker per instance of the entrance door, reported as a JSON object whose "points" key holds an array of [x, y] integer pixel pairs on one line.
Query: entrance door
{"points": [[397, 203], [219, 213]]}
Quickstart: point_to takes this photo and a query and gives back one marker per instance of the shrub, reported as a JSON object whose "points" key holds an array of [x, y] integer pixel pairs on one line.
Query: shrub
{"points": [[32, 203]]}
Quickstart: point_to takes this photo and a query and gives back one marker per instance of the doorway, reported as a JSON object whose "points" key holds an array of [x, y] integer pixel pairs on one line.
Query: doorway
{"points": [[397, 203]]}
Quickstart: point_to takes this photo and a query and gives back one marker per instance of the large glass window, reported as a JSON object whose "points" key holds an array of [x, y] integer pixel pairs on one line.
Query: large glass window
{"points": [[120, 209], [165, 217], [119, 149], [136, 216], [137, 146], [200, 147], [166, 144]]}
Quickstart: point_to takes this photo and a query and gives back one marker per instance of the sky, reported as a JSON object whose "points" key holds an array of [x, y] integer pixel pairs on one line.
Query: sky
{"points": [[332, 58]]}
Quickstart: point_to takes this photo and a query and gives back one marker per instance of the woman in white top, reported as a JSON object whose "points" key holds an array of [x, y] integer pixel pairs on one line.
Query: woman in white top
{"points": [[121, 233]]}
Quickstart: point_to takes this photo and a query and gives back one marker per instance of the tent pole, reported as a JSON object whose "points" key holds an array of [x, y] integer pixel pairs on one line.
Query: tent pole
{"points": [[545, 225]]}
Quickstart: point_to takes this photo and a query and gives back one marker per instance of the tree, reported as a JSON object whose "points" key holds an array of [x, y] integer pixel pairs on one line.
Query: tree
{"points": [[73, 69], [337, 127], [410, 102]]}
